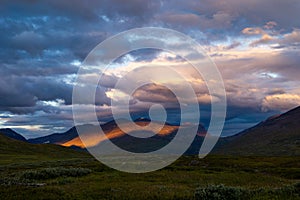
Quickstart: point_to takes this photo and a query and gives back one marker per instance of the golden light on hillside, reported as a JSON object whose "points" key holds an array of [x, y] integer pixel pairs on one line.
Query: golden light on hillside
{"points": [[95, 139]]}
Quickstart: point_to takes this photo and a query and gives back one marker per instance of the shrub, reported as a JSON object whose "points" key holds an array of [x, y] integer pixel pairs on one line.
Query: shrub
{"points": [[297, 188], [50, 173], [221, 192]]}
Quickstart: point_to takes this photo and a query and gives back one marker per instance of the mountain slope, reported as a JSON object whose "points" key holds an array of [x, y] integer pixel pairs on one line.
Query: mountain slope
{"points": [[12, 134], [15, 151], [278, 135], [117, 136], [56, 138]]}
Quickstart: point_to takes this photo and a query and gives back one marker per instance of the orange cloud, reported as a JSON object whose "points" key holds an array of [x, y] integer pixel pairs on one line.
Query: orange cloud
{"points": [[280, 102], [263, 40], [253, 31], [270, 25]]}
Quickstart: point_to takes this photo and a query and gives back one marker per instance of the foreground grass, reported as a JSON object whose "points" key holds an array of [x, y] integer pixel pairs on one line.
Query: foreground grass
{"points": [[214, 177]]}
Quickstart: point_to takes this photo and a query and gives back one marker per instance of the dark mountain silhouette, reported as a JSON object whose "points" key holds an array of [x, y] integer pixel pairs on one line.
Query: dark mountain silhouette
{"points": [[71, 139], [278, 135], [56, 138], [12, 149], [12, 134], [158, 141]]}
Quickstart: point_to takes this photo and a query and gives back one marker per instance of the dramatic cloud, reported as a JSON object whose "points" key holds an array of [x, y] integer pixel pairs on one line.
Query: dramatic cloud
{"points": [[280, 101], [255, 44]]}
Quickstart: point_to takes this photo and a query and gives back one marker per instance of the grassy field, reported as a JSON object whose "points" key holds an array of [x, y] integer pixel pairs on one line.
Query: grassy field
{"points": [[29, 171], [215, 177]]}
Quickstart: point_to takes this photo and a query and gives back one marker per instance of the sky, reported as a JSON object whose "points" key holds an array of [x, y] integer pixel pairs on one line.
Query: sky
{"points": [[255, 45]]}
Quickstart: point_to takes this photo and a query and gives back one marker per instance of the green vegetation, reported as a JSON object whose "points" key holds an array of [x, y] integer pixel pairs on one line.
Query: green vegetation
{"points": [[14, 151], [221, 192], [188, 178], [52, 172]]}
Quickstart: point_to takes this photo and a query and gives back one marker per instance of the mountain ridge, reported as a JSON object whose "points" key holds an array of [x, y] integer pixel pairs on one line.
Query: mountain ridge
{"points": [[277, 135], [117, 136], [12, 150], [12, 134]]}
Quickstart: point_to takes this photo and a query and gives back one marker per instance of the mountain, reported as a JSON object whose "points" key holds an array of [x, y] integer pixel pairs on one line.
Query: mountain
{"points": [[56, 138], [12, 134], [157, 141], [12, 150], [167, 131], [278, 135]]}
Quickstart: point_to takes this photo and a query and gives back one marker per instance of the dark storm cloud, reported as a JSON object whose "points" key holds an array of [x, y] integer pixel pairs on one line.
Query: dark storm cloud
{"points": [[18, 91], [218, 20], [156, 94], [251, 12], [34, 26], [145, 54], [36, 67], [40, 40]]}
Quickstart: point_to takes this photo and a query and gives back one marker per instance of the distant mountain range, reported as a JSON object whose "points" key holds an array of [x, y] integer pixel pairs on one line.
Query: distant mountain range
{"points": [[70, 138], [56, 138], [278, 135]]}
